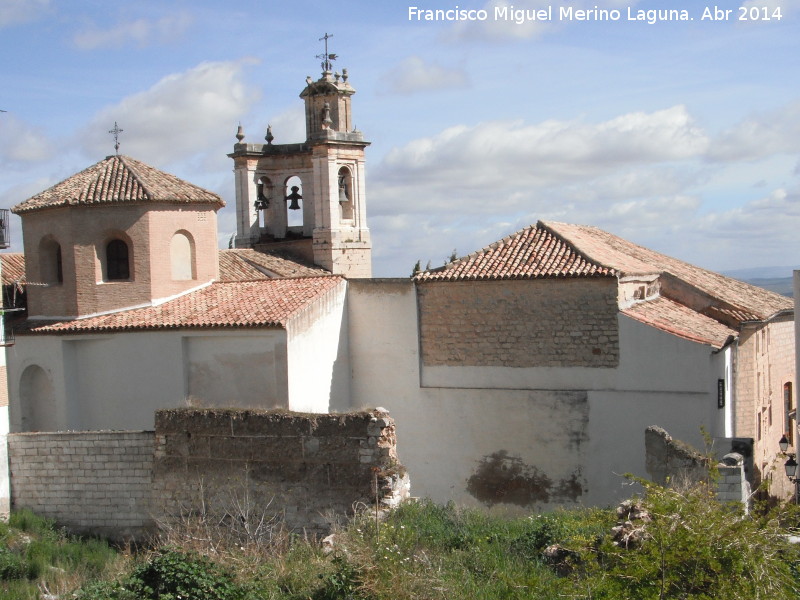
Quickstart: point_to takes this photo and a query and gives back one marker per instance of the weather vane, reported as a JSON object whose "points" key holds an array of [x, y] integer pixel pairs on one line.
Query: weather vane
{"points": [[326, 58], [116, 131]]}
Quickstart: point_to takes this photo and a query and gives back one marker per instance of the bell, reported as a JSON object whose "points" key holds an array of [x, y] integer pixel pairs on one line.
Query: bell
{"points": [[294, 197], [343, 194]]}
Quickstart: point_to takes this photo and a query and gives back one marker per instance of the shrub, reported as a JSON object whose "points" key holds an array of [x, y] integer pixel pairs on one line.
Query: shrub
{"points": [[174, 575], [696, 548]]}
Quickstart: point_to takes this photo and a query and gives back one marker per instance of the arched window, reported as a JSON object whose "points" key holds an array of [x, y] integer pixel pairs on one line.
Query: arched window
{"points": [[181, 253], [294, 202], [346, 196], [117, 262]]}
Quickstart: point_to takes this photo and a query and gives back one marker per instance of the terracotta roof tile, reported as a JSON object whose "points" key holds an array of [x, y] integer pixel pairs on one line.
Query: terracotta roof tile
{"points": [[244, 264], [674, 318], [264, 303], [13, 267], [744, 301], [118, 179], [531, 253]]}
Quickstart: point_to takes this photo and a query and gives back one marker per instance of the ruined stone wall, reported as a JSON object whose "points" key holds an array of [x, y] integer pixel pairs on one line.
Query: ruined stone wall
{"points": [[520, 323], [306, 470], [95, 482]]}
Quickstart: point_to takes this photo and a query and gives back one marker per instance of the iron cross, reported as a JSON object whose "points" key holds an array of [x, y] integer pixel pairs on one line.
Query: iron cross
{"points": [[326, 58], [116, 131]]}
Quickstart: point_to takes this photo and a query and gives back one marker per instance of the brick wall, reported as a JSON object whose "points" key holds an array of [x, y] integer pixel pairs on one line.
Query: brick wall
{"points": [[524, 323], [305, 470], [91, 482]]}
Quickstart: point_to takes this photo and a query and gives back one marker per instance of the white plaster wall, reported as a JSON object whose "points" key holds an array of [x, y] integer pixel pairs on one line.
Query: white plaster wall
{"points": [[117, 381], [317, 349], [5, 488], [445, 434], [617, 421], [463, 415]]}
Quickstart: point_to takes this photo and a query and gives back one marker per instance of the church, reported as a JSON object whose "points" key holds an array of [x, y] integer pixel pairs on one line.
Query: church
{"points": [[521, 376]]}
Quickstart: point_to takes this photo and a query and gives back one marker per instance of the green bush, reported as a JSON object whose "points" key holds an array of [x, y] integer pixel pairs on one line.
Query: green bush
{"points": [[175, 575], [693, 547]]}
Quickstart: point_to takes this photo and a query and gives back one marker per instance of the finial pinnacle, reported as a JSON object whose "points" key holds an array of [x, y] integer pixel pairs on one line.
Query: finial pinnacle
{"points": [[116, 131], [240, 133], [269, 137], [326, 57]]}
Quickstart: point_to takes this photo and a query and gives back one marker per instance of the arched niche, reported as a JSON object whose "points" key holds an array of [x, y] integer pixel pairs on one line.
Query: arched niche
{"points": [[51, 269], [182, 256], [37, 400]]}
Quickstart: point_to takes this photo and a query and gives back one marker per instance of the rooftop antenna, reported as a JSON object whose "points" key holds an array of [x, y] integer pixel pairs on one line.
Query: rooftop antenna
{"points": [[116, 131], [327, 57]]}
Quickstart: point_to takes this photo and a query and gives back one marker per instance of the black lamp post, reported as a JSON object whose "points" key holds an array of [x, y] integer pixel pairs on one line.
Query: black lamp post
{"points": [[791, 466]]}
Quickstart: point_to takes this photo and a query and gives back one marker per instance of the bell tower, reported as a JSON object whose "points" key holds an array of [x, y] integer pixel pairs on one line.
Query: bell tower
{"points": [[321, 180]]}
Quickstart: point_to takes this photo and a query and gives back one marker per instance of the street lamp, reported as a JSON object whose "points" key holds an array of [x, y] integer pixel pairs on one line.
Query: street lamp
{"points": [[790, 466]]}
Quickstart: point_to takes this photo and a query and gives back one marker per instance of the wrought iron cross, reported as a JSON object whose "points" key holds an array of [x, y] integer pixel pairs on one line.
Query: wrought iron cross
{"points": [[327, 57], [116, 131]]}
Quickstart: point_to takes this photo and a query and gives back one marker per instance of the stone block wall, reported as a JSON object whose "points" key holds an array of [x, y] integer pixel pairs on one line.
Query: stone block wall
{"points": [[520, 323], [96, 482], [305, 470]]}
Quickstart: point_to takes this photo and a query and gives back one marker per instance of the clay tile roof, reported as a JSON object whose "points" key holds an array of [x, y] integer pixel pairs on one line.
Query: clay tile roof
{"points": [[118, 179], [531, 253], [674, 318], [746, 302], [243, 264], [264, 303], [12, 265]]}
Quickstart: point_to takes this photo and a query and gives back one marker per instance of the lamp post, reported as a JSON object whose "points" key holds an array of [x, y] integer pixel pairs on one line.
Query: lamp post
{"points": [[790, 466]]}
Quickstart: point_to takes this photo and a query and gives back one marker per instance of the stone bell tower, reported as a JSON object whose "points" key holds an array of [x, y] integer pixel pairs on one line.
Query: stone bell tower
{"points": [[321, 179]]}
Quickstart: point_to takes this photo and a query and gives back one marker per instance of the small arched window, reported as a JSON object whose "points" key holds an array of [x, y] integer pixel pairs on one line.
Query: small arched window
{"points": [[117, 262]]}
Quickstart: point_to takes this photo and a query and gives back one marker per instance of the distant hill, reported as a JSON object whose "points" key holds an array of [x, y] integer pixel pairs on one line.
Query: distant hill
{"points": [[775, 279]]}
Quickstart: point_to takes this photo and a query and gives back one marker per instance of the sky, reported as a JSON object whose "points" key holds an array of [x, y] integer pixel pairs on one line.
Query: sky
{"points": [[680, 135]]}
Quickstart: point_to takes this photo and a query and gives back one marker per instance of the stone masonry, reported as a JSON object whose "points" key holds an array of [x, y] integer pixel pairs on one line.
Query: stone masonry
{"points": [[305, 470], [520, 323], [96, 482]]}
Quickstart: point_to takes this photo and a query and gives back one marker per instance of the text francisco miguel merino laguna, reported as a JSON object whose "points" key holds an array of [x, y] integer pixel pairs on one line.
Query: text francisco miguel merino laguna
{"points": [[569, 13]]}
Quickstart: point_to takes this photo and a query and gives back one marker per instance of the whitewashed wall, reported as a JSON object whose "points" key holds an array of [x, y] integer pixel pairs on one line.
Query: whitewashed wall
{"points": [[465, 417], [318, 365], [117, 381]]}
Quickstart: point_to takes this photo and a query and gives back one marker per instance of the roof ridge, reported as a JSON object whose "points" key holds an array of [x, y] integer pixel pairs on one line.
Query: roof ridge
{"points": [[584, 255], [131, 167]]}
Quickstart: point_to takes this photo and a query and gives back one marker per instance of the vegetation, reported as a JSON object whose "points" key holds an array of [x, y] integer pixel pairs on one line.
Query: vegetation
{"points": [[668, 544]]}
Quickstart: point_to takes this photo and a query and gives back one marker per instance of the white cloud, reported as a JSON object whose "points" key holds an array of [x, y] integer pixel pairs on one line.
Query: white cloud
{"points": [[644, 176], [142, 32], [416, 75], [497, 154], [21, 11], [760, 135], [20, 144], [183, 115]]}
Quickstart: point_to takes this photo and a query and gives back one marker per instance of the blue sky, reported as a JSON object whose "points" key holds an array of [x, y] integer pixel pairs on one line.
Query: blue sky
{"points": [[683, 136]]}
